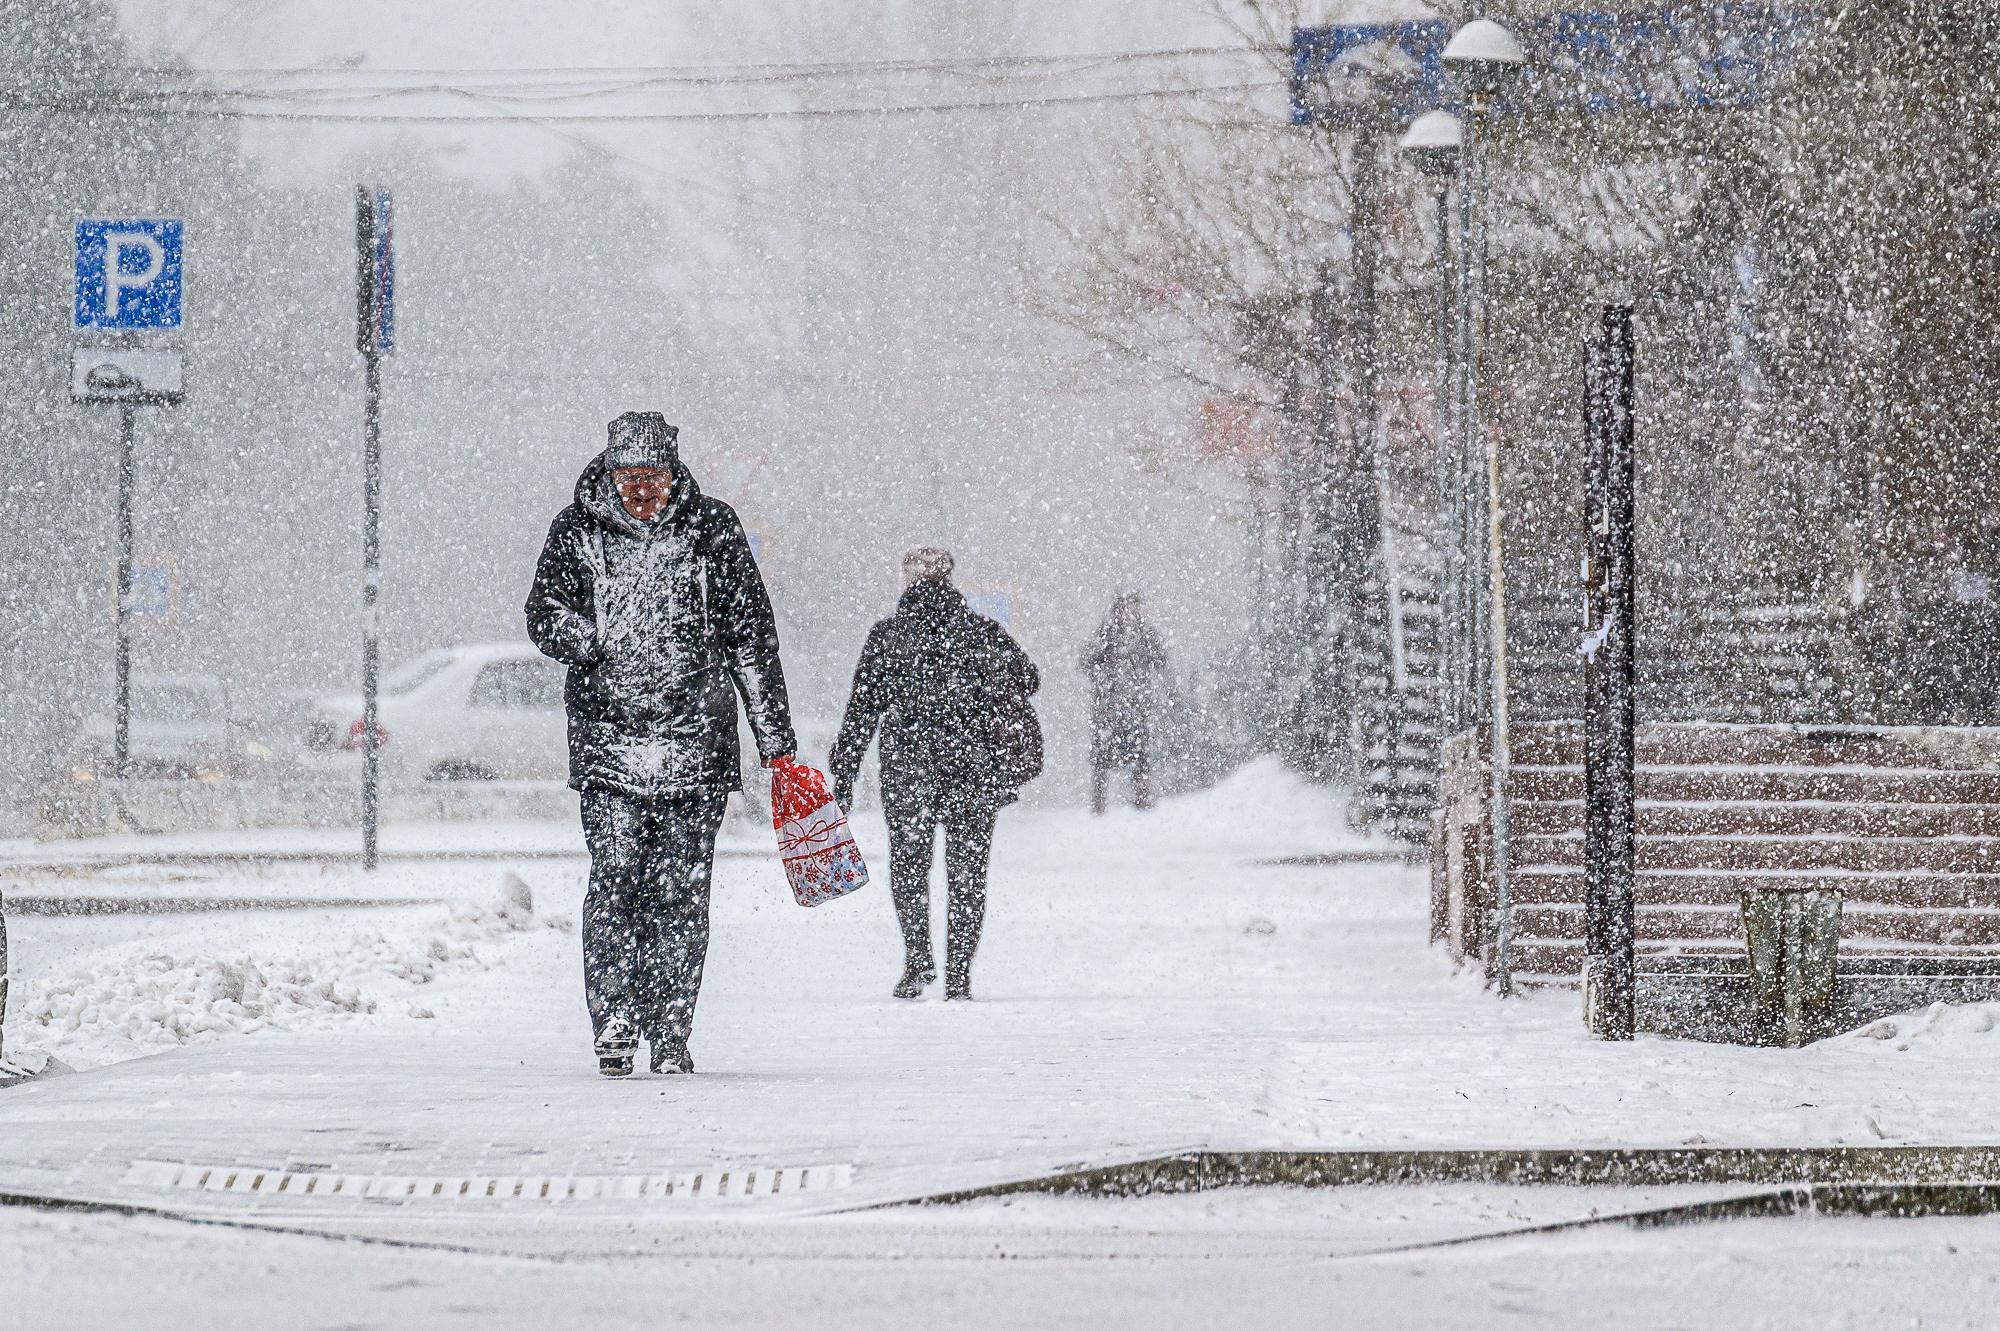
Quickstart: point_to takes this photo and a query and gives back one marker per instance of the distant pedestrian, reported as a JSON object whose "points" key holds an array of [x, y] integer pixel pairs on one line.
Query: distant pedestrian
{"points": [[647, 591], [1125, 665], [949, 691]]}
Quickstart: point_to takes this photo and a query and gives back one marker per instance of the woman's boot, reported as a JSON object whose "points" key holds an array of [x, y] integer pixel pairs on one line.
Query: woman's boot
{"points": [[918, 975]]}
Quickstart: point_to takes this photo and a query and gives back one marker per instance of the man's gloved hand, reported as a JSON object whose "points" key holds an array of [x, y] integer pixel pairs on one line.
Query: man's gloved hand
{"points": [[843, 793]]}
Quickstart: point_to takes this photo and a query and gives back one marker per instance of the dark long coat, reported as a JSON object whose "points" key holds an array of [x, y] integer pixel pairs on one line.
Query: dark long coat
{"points": [[658, 622], [928, 678], [1124, 665]]}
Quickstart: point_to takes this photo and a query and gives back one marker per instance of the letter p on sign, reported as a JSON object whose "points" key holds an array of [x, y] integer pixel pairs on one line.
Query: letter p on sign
{"points": [[128, 273]]}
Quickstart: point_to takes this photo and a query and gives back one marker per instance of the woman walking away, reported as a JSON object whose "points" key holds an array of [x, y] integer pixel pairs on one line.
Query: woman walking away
{"points": [[949, 690], [1124, 664]]}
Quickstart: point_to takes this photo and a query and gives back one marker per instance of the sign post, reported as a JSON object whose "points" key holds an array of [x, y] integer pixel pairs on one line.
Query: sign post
{"points": [[127, 290], [375, 337]]}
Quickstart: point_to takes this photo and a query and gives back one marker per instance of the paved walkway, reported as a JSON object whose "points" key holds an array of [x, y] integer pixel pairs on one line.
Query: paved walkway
{"points": [[1141, 990]]}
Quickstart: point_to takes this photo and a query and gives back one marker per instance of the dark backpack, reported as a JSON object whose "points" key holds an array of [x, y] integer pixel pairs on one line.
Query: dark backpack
{"points": [[1016, 729], [1017, 738], [959, 692]]}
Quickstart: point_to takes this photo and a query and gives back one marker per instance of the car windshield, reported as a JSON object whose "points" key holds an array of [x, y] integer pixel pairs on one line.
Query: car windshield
{"points": [[413, 675], [175, 702]]}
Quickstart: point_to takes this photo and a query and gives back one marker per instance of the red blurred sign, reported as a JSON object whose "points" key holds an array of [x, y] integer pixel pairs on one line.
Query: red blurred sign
{"points": [[1236, 425], [1155, 279]]}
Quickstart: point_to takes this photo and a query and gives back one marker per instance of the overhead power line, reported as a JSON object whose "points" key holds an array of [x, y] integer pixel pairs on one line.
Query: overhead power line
{"points": [[777, 70], [224, 106]]}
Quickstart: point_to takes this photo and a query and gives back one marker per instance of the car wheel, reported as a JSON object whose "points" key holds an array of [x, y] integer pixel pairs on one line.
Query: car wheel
{"points": [[461, 771]]}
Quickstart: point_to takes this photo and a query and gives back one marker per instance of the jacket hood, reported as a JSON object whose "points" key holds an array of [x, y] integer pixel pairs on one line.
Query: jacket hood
{"points": [[597, 495], [931, 598]]}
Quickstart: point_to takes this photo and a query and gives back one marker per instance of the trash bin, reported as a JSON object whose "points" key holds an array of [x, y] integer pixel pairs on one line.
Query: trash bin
{"points": [[1794, 940]]}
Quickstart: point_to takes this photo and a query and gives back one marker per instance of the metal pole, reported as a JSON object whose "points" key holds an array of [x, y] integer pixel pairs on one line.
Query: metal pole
{"points": [[1496, 609], [1502, 756], [1368, 437], [1620, 791], [371, 581], [1471, 539], [3, 973], [121, 713], [1450, 555], [1596, 696], [366, 327]]}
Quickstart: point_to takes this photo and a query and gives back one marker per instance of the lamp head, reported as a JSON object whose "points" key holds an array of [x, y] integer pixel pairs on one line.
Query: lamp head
{"points": [[1432, 141], [1483, 57]]}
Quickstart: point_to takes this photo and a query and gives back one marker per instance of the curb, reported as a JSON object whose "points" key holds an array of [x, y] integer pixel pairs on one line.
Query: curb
{"points": [[136, 905], [1884, 1201], [84, 865], [1853, 1177], [1887, 1182]]}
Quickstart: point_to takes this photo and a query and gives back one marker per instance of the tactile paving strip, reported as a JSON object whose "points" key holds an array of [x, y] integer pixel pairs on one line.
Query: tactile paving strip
{"points": [[720, 1182]]}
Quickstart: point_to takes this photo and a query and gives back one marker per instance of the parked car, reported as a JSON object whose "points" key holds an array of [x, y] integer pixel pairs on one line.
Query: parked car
{"points": [[482, 712], [179, 727]]}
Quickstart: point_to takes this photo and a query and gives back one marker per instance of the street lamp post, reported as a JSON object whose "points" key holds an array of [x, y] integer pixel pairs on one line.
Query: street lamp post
{"points": [[1356, 99], [1432, 142], [1483, 58]]}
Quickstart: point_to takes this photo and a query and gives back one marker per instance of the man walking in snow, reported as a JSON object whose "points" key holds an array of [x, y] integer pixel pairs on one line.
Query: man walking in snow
{"points": [[647, 591], [949, 690]]}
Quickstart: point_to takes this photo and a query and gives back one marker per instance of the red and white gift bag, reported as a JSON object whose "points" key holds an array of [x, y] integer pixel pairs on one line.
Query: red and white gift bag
{"points": [[821, 858]]}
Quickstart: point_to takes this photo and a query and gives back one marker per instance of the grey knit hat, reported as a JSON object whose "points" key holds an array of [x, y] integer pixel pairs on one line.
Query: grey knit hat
{"points": [[927, 563], [642, 439]]}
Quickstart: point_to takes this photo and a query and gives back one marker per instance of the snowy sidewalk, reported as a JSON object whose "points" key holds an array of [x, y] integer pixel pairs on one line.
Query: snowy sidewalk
{"points": [[282, 847], [1145, 986]]}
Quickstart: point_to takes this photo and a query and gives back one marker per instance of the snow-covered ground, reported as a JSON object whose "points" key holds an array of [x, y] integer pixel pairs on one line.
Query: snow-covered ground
{"points": [[94, 989], [1242, 1260], [421, 841], [1148, 983], [1146, 980]]}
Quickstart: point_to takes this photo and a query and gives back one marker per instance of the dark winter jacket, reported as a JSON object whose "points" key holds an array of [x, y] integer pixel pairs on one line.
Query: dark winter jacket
{"points": [[1124, 666], [656, 620], [929, 677]]}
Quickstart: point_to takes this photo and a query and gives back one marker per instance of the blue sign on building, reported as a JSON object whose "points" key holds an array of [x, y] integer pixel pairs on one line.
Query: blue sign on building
{"points": [[1726, 54], [128, 273], [996, 606]]}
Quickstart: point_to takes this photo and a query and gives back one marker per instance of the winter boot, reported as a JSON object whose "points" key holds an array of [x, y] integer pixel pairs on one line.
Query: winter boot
{"points": [[962, 942], [616, 1046], [671, 1057], [917, 976]]}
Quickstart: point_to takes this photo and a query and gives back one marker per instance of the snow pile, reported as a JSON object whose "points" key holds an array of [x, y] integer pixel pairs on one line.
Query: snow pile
{"points": [[141, 1001], [1941, 1026], [1265, 807], [161, 999], [1262, 810]]}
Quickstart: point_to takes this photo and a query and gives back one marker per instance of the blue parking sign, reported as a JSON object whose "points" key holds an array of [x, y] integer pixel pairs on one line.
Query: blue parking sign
{"points": [[128, 273], [151, 593]]}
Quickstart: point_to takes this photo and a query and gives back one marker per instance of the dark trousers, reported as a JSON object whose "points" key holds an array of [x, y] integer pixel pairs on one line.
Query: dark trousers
{"points": [[1142, 786], [645, 918], [968, 842]]}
